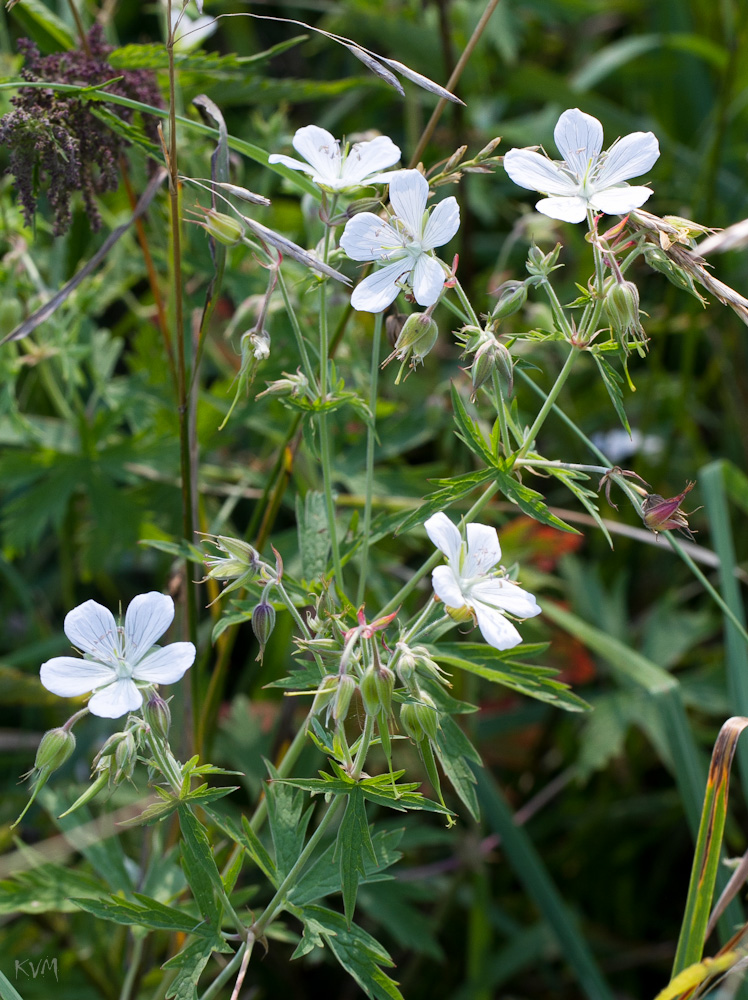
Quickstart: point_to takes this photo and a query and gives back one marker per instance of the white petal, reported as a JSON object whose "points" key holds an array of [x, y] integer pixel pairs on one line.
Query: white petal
{"points": [[289, 161], [506, 595], [379, 289], [68, 676], [537, 173], [484, 550], [115, 699], [565, 209], [367, 237], [319, 148], [445, 536], [167, 665], [579, 138], [619, 200], [148, 617], [497, 630], [443, 223], [428, 280], [91, 628], [409, 190], [365, 158], [447, 587], [631, 156]]}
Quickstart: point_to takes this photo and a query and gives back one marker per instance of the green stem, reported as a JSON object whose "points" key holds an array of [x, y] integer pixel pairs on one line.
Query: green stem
{"points": [[133, 965], [371, 435], [300, 342], [558, 309], [501, 411], [547, 406], [279, 899], [465, 302], [228, 970], [363, 747]]}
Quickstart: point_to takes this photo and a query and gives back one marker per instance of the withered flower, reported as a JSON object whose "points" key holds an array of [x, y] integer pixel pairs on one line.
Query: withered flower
{"points": [[664, 514]]}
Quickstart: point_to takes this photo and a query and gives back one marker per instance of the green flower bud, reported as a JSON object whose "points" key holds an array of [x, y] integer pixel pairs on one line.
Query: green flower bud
{"points": [[660, 261], [240, 559], [410, 722], [346, 689], [491, 357], [125, 757], [263, 623], [291, 385], [512, 296], [158, 716], [427, 715], [222, 227], [385, 681], [370, 692], [541, 264], [416, 339], [55, 748], [328, 686]]}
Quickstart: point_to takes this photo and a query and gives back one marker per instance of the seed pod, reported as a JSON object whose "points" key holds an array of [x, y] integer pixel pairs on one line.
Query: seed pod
{"points": [[512, 296], [223, 228], [346, 689], [417, 338], [427, 715], [410, 721], [263, 623], [55, 748], [370, 692], [158, 716]]}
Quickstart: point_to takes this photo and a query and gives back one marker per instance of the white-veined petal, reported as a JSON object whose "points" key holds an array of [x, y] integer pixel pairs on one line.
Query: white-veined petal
{"points": [[484, 550], [631, 156], [289, 161], [319, 148], [447, 587], [147, 618], [507, 595], [579, 138], [445, 536], [367, 237], [116, 699], [564, 209], [167, 665], [427, 280], [366, 158], [68, 676], [620, 200], [409, 191], [380, 289], [91, 628], [443, 223], [536, 173], [497, 630]]}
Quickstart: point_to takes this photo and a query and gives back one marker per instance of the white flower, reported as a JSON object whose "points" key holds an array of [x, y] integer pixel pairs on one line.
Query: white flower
{"points": [[465, 582], [586, 178], [335, 171], [403, 244], [190, 32], [117, 659]]}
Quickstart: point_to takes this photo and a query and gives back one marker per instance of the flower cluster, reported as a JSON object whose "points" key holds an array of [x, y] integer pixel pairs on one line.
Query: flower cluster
{"points": [[53, 137]]}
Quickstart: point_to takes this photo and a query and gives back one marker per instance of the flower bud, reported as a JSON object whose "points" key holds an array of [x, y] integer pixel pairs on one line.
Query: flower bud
{"points": [[370, 692], [660, 261], [622, 306], [157, 714], [406, 668], [417, 338], [410, 722], [241, 558], [55, 748], [492, 356], [256, 343], [222, 227], [512, 296], [346, 689], [291, 385], [125, 756], [541, 264], [263, 623], [427, 715], [326, 690], [454, 160]]}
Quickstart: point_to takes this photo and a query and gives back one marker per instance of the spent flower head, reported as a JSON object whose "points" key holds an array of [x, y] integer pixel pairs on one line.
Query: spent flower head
{"points": [[336, 171], [118, 660], [467, 584], [404, 245], [587, 178]]}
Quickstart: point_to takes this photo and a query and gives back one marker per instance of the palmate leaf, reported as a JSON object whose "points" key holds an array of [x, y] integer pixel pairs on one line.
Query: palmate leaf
{"points": [[382, 789], [143, 911], [570, 478], [322, 878], [613, 383], [450, 490], [529, 501], [189, 964], [288, 821], [501, 668], [200, 868], [469, 432], [358, 952], [453, 750]]}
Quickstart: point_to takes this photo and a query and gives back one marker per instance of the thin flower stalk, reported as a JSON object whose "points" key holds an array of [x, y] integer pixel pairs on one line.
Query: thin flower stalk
{"points": [[547, 406], [371, 435]]}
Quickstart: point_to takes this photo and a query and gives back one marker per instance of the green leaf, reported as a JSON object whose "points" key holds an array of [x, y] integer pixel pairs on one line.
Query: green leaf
{"points": [[358, 952], [499, 667], [468, 430], [145, 912], [48, 30], [189, 962], [588, 498], [322, 878], [154, 56], [352, 846], [200, 867], [529, 501], [453, 750], [7, 990], [450, 490], [47, 888], [288, 823], [129, 131], [613, 383], [314, 537]]}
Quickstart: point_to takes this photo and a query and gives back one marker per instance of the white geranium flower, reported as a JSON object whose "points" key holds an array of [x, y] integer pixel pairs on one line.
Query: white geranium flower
{"points": [[118, 660], [355, 167], [403, 245], [466, 581], [587, 178]]}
